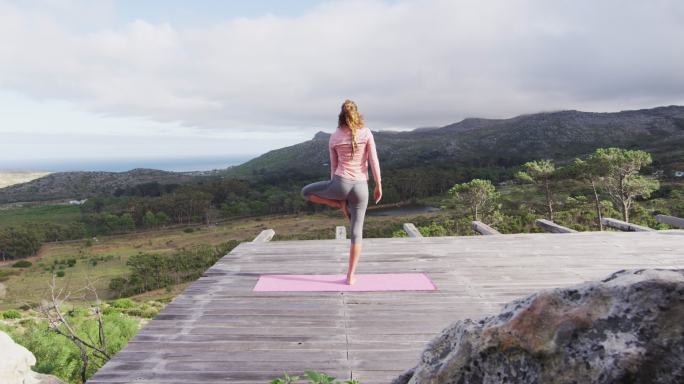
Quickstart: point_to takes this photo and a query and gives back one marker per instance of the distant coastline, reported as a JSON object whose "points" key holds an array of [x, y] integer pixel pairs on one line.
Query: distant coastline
{"points": [[179, 164]]}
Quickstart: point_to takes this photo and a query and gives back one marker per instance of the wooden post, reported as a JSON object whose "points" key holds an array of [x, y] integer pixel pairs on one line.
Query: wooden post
{"points": [[411, 230], [550, 226], [264, 236], [483, 229], [624, 226], [340, 233], [670, 220]]}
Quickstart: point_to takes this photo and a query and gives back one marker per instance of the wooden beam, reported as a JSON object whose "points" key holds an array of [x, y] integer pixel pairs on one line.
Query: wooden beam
{"points": [[670, 220], [624, 226], [411, 230], [340, 232], [264, 236], [550, 226], [483, 229]]}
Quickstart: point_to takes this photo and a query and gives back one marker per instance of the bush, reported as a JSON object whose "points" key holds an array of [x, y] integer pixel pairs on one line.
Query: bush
{"points": [[151, 271], [60, 273], [123, 303], [11, 314], [56, 355], [189, 230], [22, 264]]}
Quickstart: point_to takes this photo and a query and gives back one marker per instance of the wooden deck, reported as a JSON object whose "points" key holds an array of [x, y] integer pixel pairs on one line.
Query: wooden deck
{"points": [[219, 331]]}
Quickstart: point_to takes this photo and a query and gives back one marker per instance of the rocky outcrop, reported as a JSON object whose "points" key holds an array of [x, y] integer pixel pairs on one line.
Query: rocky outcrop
{"points": [[16, 362], [628, 328]]}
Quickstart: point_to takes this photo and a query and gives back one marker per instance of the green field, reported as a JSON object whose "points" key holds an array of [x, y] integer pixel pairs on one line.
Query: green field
{"points": [[55, 214]]}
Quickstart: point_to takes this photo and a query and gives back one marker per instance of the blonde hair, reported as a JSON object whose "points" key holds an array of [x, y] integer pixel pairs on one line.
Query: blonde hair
{"points": [[352, 119]]}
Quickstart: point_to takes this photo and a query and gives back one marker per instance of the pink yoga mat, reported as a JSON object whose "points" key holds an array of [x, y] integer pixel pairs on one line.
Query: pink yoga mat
{"points": [[338, 283]]}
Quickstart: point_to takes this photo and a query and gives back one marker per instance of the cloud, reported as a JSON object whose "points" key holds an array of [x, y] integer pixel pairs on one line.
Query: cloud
{"points": [[407, 63]]}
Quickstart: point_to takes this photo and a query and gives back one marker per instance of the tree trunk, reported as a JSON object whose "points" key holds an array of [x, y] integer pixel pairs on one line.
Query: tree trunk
{"points": [[549, 203], [84, 358], [625, 211], [598, 205]]}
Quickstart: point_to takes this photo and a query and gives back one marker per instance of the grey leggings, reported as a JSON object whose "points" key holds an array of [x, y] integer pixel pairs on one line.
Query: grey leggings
{"points": [[354, 191]]}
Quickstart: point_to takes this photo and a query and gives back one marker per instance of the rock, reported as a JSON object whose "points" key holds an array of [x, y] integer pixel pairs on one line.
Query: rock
{"points": [[16, 362], [628, 328]]}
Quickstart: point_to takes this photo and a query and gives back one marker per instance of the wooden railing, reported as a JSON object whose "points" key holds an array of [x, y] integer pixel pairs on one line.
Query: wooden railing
{"points": [[670, 220], [624, 226], [483, 229], [550, 226], [411, 230]]}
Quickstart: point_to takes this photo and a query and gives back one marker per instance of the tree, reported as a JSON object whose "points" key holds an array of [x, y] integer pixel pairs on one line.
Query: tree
{"points": [[591, 170], [478, 195], [150, 219], [58, 323], [540, 173], [622, 180]]}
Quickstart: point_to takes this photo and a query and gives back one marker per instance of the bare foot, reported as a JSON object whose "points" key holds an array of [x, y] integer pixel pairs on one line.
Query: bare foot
{"points": [[344, 207], [351, 280]]}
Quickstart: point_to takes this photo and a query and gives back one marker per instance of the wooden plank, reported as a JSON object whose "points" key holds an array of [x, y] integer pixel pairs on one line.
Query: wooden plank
{"points": [[483, 229], [218, 330], [551, 227], [624, 226], [670, 220], [264, 236], [411, 230], [340, 232]]}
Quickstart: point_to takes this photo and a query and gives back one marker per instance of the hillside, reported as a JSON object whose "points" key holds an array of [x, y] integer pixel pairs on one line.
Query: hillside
{"points": [[79, 185], [497, 142]]}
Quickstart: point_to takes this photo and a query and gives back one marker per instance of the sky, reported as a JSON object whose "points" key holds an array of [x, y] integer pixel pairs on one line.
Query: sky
{"points": [[84, 82]]}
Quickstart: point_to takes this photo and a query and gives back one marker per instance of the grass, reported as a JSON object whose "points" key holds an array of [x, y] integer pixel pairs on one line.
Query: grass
{"points": [[56, 214]]}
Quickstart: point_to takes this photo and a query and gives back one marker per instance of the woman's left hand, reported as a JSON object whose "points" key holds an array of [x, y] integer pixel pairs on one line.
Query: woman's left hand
{"points": [[377, 193]]}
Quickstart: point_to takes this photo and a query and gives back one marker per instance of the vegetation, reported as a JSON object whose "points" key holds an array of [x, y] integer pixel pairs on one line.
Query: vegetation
{"points": [[478, 195], [313, 377], [57, 355], [22, 264], [621, 180], [540, 173], [11, 314], [151, 271]]}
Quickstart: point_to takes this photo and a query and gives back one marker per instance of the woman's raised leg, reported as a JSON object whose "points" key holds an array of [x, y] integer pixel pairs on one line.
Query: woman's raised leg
{"points": [[329, 192]]}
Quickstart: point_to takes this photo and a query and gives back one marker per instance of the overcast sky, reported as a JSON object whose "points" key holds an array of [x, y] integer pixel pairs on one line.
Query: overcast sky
{"points": [[83, 80]]}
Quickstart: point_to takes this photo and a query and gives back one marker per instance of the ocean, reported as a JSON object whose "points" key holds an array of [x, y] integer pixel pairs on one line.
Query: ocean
{"points": [[178, 164]]}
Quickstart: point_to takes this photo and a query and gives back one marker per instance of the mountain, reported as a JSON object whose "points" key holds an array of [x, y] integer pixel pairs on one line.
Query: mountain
{"points": [[496, 142], [472, 142], [78, 185]]}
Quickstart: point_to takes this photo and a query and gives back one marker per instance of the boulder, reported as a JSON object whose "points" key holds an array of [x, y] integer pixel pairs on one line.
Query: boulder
{"points": [[628, 328], [16, 362]]}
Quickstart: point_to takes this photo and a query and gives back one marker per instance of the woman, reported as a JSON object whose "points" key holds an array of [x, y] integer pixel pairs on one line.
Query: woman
{"points": [[351, 147]]}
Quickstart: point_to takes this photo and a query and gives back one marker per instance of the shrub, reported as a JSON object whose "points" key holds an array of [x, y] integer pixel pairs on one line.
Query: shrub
{"points": [[123, 303], [189, 230], [6, 273], [22, 264], [11, 314], [60, 273]]}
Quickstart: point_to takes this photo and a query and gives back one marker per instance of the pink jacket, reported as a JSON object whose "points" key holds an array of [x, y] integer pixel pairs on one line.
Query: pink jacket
{"points": [[341, 161]]}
